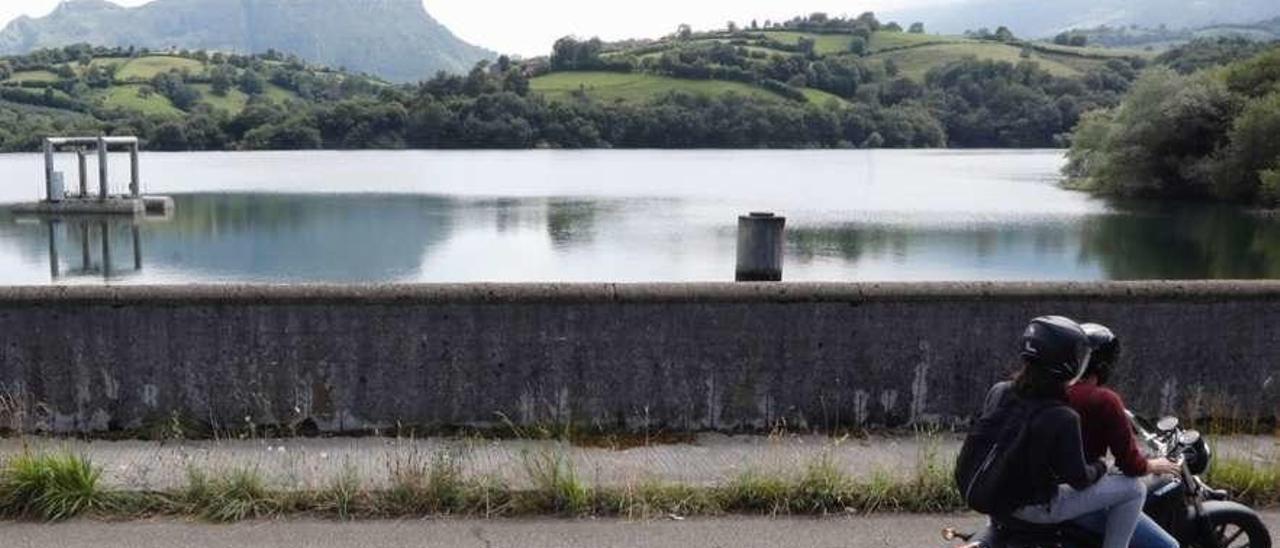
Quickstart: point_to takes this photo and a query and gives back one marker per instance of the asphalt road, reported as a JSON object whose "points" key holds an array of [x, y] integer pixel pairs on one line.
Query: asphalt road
{"points": [[878, 532], [853, 532]]}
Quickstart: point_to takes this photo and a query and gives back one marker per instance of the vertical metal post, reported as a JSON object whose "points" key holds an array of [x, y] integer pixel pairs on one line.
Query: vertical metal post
{"points": [[48, 169], [760, 247], [102, 169], [83, 158], [135, 185]]}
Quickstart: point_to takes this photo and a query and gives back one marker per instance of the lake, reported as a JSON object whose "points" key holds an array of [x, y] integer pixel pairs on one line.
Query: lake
{"points": [[625, 216]]}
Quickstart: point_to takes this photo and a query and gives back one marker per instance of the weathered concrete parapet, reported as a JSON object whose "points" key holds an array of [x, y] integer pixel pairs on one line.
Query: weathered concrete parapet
{"points": [[681, 356]]}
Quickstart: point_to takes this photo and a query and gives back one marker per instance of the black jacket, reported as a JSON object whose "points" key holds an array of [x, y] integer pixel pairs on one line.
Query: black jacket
{"points": [[1053, 452]]}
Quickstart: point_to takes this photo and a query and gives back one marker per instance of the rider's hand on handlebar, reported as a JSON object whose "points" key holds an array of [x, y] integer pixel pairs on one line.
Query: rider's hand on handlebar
{"points": [[1163, 467]]}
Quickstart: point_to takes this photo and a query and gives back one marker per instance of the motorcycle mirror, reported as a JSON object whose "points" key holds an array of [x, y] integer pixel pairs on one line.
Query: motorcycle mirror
{"points": [[1190, 437], [1167, 424]]}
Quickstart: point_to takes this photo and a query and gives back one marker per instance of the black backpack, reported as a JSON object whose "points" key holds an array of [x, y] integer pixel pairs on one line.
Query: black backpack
{"points": [[989, 471]]}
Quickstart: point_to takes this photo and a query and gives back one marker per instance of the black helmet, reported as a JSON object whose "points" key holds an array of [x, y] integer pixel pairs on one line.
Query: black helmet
{"points": [[1106, 350], [1055, 348]]}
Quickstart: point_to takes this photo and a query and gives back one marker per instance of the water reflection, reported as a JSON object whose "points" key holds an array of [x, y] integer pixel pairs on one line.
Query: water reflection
{"points": [[90, 247], [290, 238], [1184, 241]]}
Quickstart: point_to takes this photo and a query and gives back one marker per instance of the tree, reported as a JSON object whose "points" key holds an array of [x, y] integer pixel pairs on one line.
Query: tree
{"points": [[891, 67], [684, 31], [892, 27], [1159, 141], [569, 53], [916, 28], [869, 19], [221, 79], [755, 25], [251, 83], [806, 45], [1003, 34], [171, 136], [1254, 149], [732, 27], [858, 45]]}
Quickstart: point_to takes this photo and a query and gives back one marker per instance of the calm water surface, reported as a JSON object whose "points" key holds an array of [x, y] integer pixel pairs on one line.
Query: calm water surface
{"points": [[620, 216]]}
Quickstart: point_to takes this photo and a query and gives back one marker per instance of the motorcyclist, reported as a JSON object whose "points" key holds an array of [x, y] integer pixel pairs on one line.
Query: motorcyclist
{"points": [[1060, 485], [1105, 427]]}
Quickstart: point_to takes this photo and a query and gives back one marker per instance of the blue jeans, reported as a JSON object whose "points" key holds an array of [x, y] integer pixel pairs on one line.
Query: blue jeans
{"points": [[1118, 498], [1149, 534]]}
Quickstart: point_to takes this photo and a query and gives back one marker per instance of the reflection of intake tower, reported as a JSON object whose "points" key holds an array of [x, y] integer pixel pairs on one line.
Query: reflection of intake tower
{"points": [[95, 245]]}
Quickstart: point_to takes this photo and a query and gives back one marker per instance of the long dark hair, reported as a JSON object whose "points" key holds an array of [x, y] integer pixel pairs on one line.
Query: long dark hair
{"points": [[1030, 383]]}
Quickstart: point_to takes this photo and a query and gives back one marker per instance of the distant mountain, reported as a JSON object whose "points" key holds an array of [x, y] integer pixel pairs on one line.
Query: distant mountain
{"points": [[1035, 19], [1159, 38], [394, 39]]}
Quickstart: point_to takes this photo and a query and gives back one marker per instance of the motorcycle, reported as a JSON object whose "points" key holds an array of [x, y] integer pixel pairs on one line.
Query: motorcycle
{"points": [[1186, 507]]}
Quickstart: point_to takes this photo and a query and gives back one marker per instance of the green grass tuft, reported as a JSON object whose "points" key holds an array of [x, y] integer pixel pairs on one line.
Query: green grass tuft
{"points": [[557, 488], [345, 495], [52, 487], [234, 496], [426, 486]]}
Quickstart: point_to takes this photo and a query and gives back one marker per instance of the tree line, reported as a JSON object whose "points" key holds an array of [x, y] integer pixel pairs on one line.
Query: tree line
{"points": [[966, 103]]}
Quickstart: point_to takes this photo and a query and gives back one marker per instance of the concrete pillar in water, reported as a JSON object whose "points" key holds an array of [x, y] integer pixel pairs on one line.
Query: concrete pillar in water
{"points": [[760, 247], [135, 184], [102, 169], [83, 158], [48, 169]]}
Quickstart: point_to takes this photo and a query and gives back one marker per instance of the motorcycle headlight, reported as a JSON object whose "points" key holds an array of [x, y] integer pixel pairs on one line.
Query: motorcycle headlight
{"points": [[1198, 457]]}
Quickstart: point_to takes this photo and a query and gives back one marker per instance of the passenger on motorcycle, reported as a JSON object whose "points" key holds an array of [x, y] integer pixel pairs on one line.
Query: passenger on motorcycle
{"points": [[1058, 484], [1105, 426]]}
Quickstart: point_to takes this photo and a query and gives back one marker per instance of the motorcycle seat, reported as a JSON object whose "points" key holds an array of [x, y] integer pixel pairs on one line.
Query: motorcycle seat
{"points": [[1018, 528]]}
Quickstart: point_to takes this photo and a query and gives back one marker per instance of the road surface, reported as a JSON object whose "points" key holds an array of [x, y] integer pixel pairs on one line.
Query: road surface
{"points": [[854, 532]]}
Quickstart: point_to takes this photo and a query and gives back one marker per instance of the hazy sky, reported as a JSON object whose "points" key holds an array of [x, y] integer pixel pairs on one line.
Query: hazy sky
{"points": [[528, 27]]}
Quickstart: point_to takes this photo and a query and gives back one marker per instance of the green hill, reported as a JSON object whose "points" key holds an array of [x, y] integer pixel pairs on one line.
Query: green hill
{"points": [[127, 83], [742, 61]]}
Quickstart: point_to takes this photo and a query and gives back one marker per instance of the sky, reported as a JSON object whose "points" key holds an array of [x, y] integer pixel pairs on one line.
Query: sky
{"points": [[529, 27]]}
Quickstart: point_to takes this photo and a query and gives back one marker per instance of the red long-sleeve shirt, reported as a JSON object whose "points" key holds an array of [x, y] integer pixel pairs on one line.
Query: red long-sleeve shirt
{"points": [[1105, 427]]}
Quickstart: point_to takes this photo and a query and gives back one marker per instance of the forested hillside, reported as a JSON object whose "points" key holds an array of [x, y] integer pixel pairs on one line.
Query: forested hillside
{"points": [[812, 81]]}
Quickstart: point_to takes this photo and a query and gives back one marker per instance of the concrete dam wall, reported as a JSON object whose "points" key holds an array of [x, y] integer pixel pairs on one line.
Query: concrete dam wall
{"points": [[678, 357]]}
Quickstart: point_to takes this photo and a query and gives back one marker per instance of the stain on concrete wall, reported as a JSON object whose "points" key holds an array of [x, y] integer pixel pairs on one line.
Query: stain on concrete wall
{"points": [[684, 357]]}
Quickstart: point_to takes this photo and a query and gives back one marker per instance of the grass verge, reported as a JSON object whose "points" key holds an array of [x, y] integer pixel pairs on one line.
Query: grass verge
{"points": [[1251, 482], [62, 486]]}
